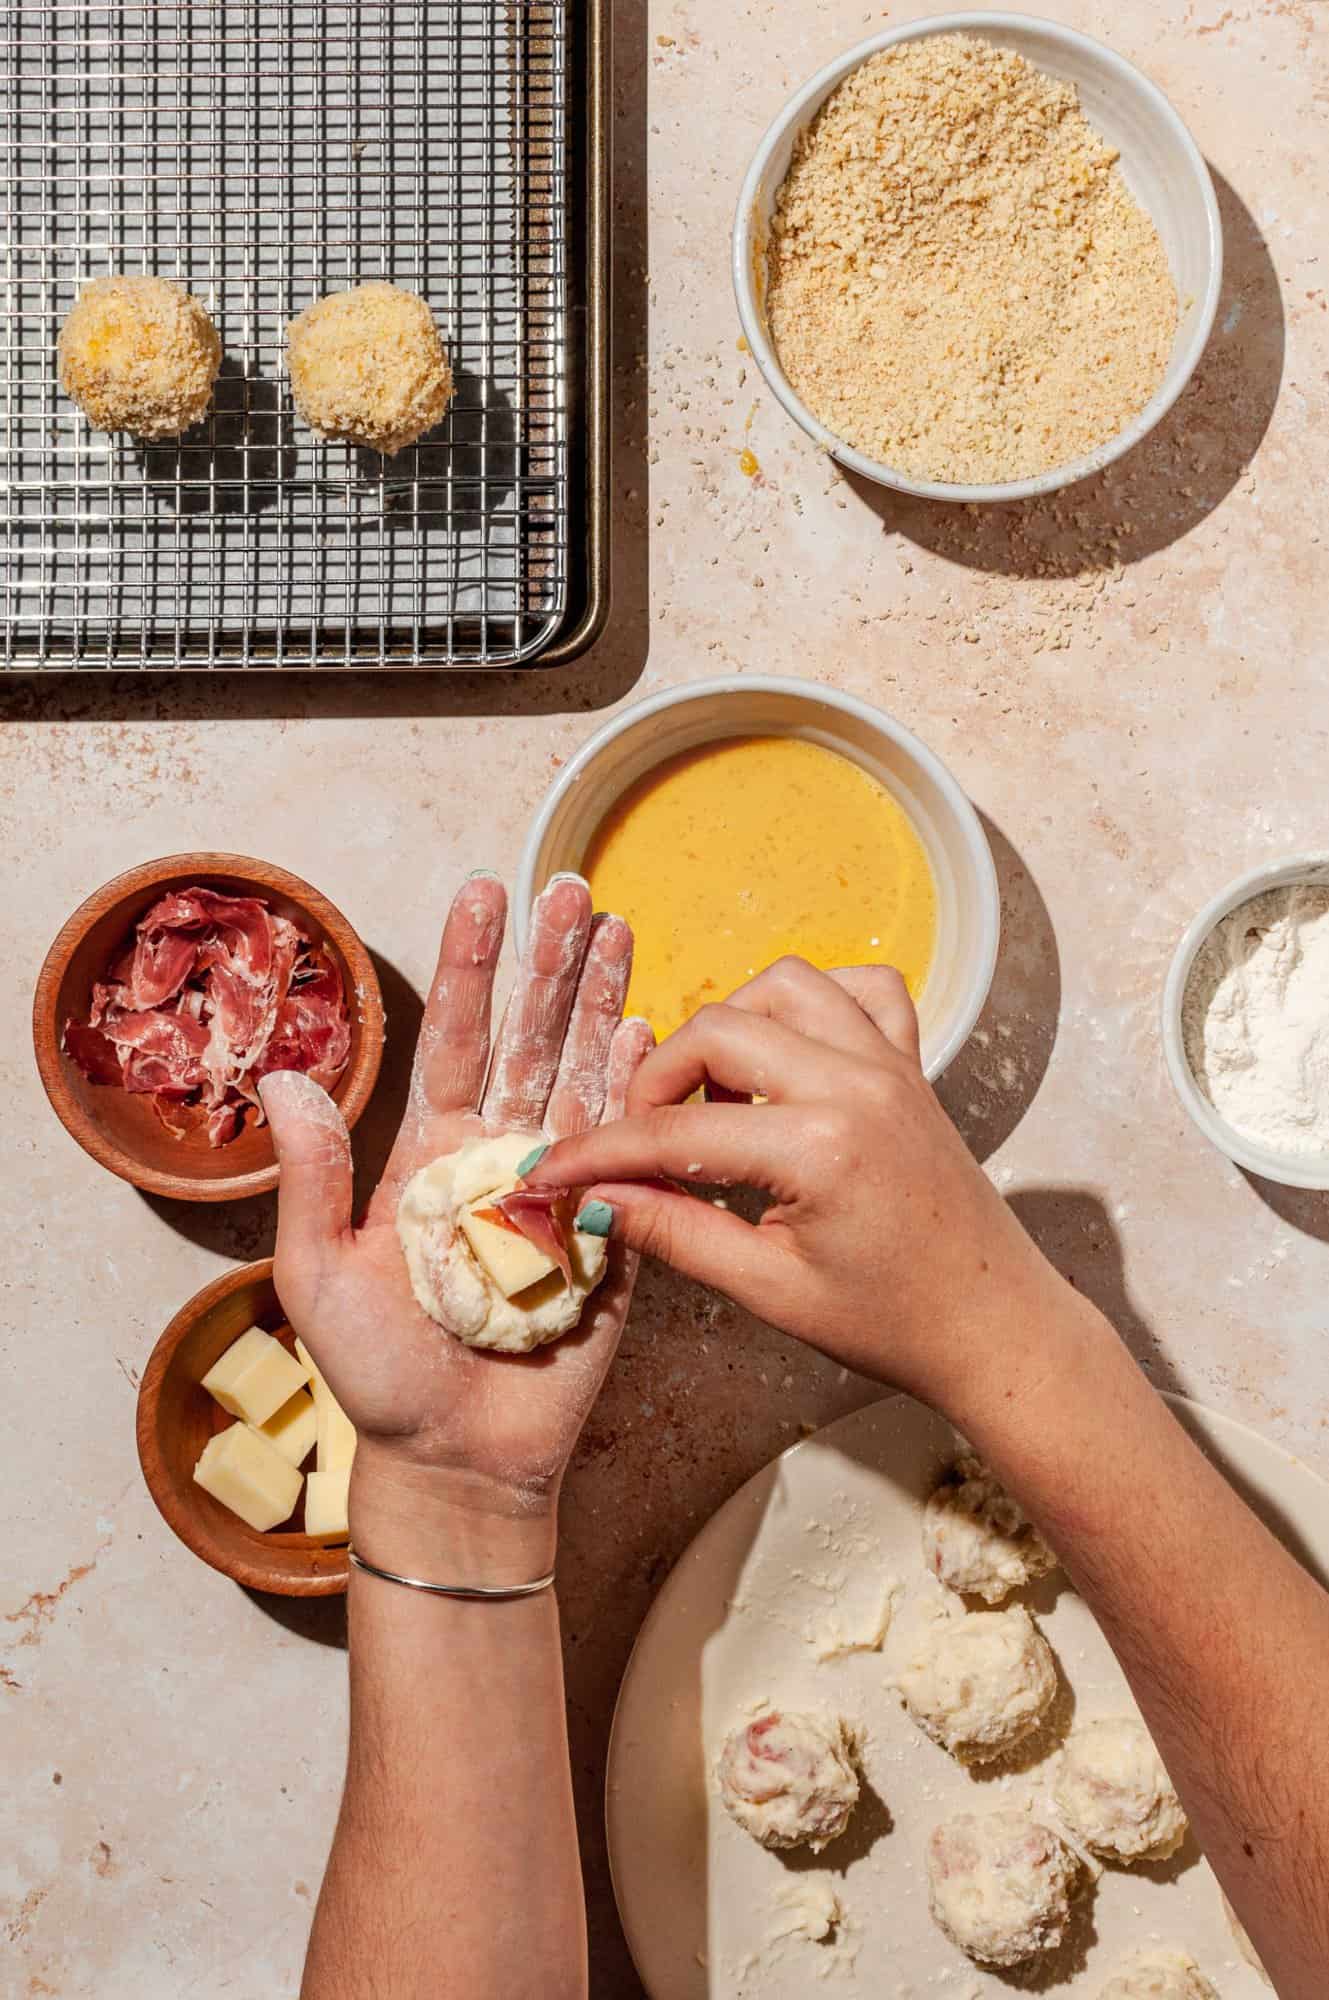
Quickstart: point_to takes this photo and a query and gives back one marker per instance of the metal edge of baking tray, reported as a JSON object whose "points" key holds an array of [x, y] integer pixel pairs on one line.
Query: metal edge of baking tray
{"points": [[574, 626], [583, 622]]}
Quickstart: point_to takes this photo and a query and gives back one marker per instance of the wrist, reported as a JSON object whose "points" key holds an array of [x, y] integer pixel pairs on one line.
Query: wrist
{"points": [[1050, 1349], [448, 1524]]}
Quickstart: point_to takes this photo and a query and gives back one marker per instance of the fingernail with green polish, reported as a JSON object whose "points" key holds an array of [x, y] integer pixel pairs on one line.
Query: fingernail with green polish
{"points": [[482, 875], [596, 1219], [531, 1160]]}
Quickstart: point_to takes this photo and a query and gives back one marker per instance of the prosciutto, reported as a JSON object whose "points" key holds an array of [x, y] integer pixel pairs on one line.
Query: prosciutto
{"points": [[210, 994], [538, 1214]]}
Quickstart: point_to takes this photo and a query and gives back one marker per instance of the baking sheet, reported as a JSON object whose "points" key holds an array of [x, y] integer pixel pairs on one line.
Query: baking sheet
{"points": [[264, 154]]}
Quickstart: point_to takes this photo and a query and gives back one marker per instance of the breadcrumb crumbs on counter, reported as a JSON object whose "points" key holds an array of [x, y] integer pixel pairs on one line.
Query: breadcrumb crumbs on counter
{"points": [[960, 283]]}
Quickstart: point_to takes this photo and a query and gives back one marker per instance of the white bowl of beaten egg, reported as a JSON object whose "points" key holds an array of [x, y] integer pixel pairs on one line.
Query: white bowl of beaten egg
{"points": [[1246, 1021], [1089, 400], [733, 821]]}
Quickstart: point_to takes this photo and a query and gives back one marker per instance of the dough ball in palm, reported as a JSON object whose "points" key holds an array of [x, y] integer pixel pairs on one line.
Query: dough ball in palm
{"points": [[979, 1684], [368, 367], [1000, 1885], [1159, 1975], [139, 354], [1115, 1795], [977, 1540], [789, 1780]]}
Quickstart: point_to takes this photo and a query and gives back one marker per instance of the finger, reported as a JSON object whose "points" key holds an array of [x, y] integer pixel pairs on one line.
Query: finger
{"points": [[632, 1043], [884, 997], [531, 1038], [700, 1240], [719, 1144], [578, 1095], [741, 1052], [814, 1003], [452, 1053], [314, 1154]]}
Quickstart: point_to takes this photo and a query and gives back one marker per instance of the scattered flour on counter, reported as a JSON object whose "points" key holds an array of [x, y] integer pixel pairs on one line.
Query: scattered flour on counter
{"points": [[809, 1909], [843, 1633], [1255, 1019]]}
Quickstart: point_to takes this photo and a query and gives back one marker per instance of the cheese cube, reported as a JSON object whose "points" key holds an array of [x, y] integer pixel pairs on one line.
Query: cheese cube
{"points": [[326, 1502], [335, 1431], [510, 1260], [248, 1474], [293, 1428], [254, 1377]]}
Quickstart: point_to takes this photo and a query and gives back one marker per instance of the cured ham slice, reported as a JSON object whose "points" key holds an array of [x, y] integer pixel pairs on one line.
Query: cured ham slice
{"points": [[211, 994], [537, 1214]]}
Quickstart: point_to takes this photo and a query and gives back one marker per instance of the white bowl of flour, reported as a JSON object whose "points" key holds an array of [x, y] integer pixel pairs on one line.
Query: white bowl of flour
{"points": [[1246, 1021]]}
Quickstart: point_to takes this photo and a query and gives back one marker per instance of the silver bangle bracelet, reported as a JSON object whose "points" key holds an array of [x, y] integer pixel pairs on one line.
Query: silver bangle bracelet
{"points": [[485, 1593]]}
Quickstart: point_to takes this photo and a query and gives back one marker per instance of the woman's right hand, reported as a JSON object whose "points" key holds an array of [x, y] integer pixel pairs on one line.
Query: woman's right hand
{"points": [[885, 1244]]}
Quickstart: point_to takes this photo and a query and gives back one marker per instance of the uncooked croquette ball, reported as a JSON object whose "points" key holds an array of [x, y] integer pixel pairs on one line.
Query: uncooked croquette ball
{"points": [[1000, 1885], [1115, 1795], [789, 1780], [139, 354], [1160, 1975], [368, 367], [979, 1541], [980, 1683]]}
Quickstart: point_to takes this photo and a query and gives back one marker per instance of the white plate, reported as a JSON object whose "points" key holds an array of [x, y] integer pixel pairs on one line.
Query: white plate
{"points": [[814, 1538]]}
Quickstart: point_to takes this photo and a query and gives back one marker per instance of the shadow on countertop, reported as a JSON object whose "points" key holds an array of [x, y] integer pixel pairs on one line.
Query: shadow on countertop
{"points": [[1304, 1209], [996, 1076], [1163, 489], [1072, 1228], [320, 1619]]}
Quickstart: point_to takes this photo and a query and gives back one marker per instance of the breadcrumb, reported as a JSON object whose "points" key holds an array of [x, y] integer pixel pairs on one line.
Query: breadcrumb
{"points": [[139, 354], [960, 283], [368, 366]]}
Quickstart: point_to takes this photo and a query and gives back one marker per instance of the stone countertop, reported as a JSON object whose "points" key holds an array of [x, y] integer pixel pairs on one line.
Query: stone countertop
{"points": [[1130, 681]]}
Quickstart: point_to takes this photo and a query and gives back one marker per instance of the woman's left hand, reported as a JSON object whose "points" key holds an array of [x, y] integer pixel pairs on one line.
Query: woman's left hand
{"points": [[448, 1434]]}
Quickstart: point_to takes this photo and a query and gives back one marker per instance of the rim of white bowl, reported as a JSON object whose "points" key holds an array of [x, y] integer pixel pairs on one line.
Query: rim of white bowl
{"points": [[1287, 1169], [957, 799], [763, 352]]}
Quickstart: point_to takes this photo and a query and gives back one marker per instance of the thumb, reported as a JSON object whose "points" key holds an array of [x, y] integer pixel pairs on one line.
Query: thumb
{"points": [[698, 1239], [314, 1154]]}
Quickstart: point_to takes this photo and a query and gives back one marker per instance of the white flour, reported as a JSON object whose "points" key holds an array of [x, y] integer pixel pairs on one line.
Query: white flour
{"points": [[1256, 1019]]}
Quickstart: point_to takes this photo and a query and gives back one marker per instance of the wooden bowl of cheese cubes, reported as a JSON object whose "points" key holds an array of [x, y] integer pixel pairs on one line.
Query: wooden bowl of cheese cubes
{"points": [[245, 1450]]}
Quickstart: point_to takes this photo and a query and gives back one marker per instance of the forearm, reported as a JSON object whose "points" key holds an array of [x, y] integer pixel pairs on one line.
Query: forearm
{"points": [[1222, 1635], [455, 1860]]}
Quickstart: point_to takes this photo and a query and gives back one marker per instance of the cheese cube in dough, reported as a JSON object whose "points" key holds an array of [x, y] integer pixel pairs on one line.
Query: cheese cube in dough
{"points": [[326, 1503], [254, 1377], [248, 1474], [293, 1428], [511, 1261], [335, 1434]]}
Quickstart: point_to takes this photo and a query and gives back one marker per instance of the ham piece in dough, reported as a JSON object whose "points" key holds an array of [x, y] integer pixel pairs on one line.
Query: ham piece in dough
{"points": [[212, 993], [538, 1214]]}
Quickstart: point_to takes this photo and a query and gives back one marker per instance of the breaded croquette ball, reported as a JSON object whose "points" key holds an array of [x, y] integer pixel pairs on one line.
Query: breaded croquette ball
{"points": [[368, 367], [139, 354]]}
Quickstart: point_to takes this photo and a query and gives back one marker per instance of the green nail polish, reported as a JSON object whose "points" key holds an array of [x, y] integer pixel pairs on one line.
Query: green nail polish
{"points": [[532, 1159], [596, 1219]]}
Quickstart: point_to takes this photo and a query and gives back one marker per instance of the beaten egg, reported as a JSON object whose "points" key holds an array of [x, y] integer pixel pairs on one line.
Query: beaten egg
{"points": [[730, 855]]}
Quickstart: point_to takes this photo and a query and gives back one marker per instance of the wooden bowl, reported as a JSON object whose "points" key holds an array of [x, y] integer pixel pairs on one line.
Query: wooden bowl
{"points": [[177, 1416], [119, 1128]]}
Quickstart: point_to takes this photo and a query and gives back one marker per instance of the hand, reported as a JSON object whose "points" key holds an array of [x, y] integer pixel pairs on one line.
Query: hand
{"points": [[492, 1432], [885, 1245]]}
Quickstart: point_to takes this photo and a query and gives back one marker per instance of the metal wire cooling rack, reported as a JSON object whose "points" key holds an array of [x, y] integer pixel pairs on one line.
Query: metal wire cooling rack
{"points": [[264, 152]]}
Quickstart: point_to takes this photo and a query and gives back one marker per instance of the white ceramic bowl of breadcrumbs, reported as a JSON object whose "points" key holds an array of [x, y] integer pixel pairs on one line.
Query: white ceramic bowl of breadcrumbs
{"points": [[977, 257]]}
